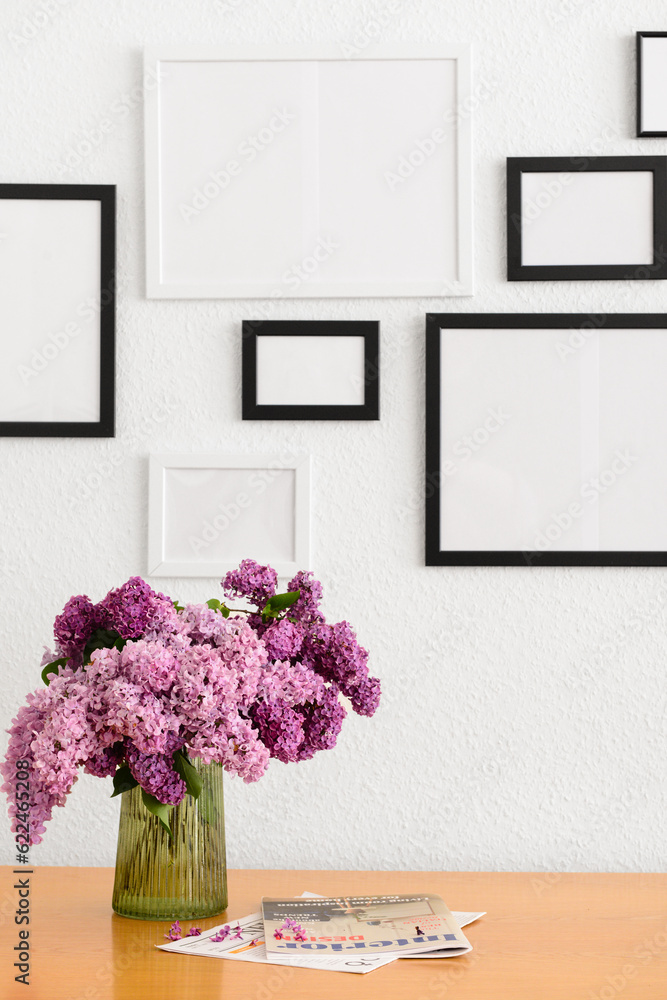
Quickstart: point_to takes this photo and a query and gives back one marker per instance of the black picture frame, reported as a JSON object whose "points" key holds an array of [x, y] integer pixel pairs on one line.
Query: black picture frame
{"points": [[643, 133], [106, 195], [518, 165], [434, 476], [368, 329]]}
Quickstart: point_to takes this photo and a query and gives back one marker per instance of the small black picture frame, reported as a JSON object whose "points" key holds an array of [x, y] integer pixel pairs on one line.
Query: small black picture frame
{"points": [[647, 61], [351, 384], [47, 252], [600, 462], [602, 229]]}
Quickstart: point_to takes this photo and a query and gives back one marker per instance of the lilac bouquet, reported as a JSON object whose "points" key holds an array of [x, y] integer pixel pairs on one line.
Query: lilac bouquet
{"points": [[139, 685]]}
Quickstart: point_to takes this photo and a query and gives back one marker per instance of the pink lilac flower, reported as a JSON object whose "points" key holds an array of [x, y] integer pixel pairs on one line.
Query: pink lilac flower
{"points": [[175, 933], [300, 935], [256, 583], [278, 935], [238, 931], [194, 932], [236, 691]]}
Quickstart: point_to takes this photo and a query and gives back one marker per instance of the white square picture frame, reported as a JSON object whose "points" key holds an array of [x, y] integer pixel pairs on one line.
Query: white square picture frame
{"points": [[208, 512], [306, 174]]}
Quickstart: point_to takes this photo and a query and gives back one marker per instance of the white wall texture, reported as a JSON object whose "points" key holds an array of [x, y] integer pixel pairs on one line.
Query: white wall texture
{"points": [[523, 718]]}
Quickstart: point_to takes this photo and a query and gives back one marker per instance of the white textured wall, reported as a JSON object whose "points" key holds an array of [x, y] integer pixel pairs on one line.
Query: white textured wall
{"points": [[523, 717]]}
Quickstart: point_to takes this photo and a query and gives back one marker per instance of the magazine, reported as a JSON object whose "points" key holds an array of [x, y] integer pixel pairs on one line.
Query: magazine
{"points": [[249, 947], [363, 925]]}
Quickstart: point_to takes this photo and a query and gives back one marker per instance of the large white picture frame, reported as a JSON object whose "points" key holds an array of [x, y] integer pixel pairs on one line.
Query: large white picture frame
{"points": [[208, 512], [306, 174]]}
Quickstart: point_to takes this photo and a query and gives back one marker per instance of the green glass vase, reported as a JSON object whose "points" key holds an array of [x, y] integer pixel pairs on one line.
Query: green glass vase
{"points": [[172, 878]]}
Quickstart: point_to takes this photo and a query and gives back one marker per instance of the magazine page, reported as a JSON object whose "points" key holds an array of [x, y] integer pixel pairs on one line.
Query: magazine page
{"points": [[364, 925]]}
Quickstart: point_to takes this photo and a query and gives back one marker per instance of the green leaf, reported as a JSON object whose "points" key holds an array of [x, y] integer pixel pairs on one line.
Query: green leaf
{"points": [[177, 606], [102, 638], [188, 773], [281, 601], [123, 781], [215, 605], [159, 809], [53, 668]]}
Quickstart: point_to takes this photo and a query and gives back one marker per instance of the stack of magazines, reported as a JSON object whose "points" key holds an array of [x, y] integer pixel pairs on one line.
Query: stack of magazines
{"points": [[343, 933]]}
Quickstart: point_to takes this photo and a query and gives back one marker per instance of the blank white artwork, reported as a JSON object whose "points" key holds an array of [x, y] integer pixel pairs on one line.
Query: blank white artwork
{"points": [[207, 513], [591, 217], [654, 85], [545, 448], [299, 176], [49, 310], [310, 371]]}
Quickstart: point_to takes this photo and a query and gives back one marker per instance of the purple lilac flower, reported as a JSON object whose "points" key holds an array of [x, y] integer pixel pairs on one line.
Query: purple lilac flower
{"points": [[175, 933], [134, 610], [365, 697], [307, 605], [222, 934], [280, 729], [103, 764], [155, 772], [283, 639], [232, 690], [76, 623], [256, 583], [194, 932], [322, 722]]}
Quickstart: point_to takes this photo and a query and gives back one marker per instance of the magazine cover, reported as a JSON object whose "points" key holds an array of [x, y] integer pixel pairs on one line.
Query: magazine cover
{"points": [[360, 924]]}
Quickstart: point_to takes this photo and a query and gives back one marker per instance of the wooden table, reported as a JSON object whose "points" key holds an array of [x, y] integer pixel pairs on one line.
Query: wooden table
{"points": [[546, 937]]}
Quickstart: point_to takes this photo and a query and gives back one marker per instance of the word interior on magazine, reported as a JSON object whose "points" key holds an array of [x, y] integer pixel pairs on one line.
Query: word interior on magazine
{"points": [[22, 885]]}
